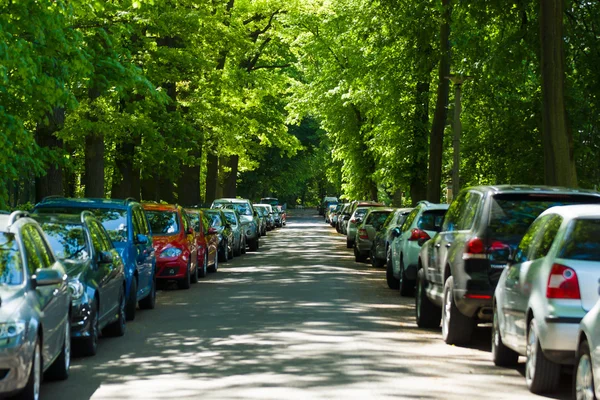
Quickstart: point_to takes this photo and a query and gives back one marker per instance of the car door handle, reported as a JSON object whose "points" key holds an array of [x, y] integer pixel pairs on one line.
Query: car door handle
{"points": [[448, 245]]}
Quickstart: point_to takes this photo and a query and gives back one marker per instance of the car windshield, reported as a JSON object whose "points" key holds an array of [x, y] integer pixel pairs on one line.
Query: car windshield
{"points": [[241, 208], [215, 218], [113, 220], [163, 223], [67, 240], [377, 219], [230, 218], [582, 241], [512, 214], [11, 266], [432, 220], [194, 219]]}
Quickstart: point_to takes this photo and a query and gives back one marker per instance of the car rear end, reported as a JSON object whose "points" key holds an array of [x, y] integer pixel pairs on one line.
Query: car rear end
{"points": [[426, 225], [367, 230]]}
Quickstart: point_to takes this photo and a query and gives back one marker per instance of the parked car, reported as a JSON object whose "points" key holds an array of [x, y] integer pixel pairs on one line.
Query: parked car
{"points": [[282, 215], [460, 267], [329, 212], [201, 224], [127, 225], [343, 218], [383, 238], [218, 222], [356, 218], [35, 331], [586, 382], [248, 218], [96, 276], [239, 239], [420, 226], [325, 203], [265, 219], [335, 214], [175, 243], [272, 201], [546, 291], [269, 216], [372, 223]]}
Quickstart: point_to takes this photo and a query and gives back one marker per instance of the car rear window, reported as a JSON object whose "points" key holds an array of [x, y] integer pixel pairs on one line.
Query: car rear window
{"points": [[512, 214], [113, 220], [241, 208], [11, 266], [163, 223], [432, 220], [230, 218], [377, 219], [582, 241], [67, 240]]}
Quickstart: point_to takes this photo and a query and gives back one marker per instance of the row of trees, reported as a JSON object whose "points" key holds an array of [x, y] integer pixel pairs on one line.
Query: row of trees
{"points": [[184, 101]]}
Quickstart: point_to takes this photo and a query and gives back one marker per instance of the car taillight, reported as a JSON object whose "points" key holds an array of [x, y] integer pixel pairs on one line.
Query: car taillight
{"points": [[353, 221], [562, 283], [418, 234], [362, 233], [474, 249]]}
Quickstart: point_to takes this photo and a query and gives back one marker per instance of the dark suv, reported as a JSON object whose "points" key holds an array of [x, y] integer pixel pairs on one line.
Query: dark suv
{"points": [[459, 268]]}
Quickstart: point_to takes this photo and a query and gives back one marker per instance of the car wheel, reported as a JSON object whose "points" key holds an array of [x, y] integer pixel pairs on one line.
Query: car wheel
{"points": [[456, 327], [223, 252], [253, 245], [230, 251], [149, 302], [583, 385], [244, 245], [202, 272], [392, 282], [406, 286], [349, 244], [194, 275], [215, 266], [358, 257], [502, 355], [186, 281], [31, 391], [238, 250], [375, 262], [89, 345], [541, 374], [59, 370], [118, 327], [427, 313], [132, 301]]}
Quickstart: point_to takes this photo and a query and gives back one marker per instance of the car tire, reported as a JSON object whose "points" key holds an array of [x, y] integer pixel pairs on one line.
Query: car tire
{"points": [[223, 252], [59, 370], [392, 281], [194, 275], [406, 286], [215, 266], [88, 346], [358, 256], [457, 328], [501, 355], [375, 262], [541, 374], [428, 315], [118, 327], [238, 251], [230, 253], [253, 245], [583, 378], [32, 388], [185, 282], [244, 245], [203, 271], [149, 302], [349, 244], [132, 301]]}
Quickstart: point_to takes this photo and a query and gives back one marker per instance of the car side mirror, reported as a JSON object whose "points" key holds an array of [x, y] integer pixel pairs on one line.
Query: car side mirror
{"points": [[105, 257], [212, 231], [48, 277], [141, 239], [396, 232]]}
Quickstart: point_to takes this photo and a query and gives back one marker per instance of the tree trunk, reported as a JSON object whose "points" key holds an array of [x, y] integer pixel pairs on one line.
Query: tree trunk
{"points": [[150, 188], [126, 179], [229, 188], [212, 177], [188, 188], [166, 190], [93, 179], [436, 142], [418, 173], [397, 198], [557, 139], [51, 183]]}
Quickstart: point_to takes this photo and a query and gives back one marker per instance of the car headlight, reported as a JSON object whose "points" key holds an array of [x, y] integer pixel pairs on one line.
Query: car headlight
{"points": [[171, 252], [11, 330], [76, 289]]}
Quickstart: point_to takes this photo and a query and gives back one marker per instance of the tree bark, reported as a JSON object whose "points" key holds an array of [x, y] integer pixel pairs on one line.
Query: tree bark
{"points": [[126, 179], [188, 187], [212, 177], [229, 188], [418, 173], [557, 138], [166, 190], [436, 142], [93, 179], [51, 183]]}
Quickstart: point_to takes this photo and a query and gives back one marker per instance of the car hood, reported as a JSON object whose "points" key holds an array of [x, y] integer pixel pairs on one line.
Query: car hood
{"points": [[246, 219], [162, 242], [12, 299]]}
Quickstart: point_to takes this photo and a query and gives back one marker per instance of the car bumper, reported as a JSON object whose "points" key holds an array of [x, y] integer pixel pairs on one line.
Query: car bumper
{"points": [[558, 338], [171, 269], [15, 366], [80, 319], [477, 305], [364, 246]]}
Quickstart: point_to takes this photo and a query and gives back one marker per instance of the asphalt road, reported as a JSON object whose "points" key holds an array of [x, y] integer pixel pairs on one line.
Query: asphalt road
{"points": [[299, 319]]}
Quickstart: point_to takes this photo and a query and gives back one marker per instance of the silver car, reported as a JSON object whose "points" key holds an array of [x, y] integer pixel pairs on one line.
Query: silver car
{"points": [[34, 304], [587, 366], [239, 239], [543, 295], [248, 218], [365, 234]]}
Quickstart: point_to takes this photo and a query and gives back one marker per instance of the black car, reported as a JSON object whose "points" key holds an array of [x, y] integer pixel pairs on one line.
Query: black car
{"points": [[96, 276], [383, 238], [218, 220], [459, 268]]}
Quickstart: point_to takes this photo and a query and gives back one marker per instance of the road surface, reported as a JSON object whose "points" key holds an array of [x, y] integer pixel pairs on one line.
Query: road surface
{"points": [[299, 319]]}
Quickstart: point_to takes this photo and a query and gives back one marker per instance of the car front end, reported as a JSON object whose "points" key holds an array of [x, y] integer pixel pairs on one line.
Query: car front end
{"points": [[172, 258]]}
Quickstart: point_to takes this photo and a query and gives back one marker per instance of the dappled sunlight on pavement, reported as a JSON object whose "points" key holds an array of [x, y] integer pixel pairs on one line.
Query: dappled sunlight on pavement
{"points": [[299, 319]]}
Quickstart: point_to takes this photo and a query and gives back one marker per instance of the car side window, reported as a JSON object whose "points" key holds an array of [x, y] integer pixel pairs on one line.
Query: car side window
{"points": [[34, 261], [524, 249], [469, 211], [186, 222], [409, 220], [44, 253], [545, 236], [137, 226]]}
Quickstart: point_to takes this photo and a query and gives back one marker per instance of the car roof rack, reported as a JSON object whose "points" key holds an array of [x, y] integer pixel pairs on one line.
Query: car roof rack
{"points": [[54, 196], [15, 215], [128, 199]]}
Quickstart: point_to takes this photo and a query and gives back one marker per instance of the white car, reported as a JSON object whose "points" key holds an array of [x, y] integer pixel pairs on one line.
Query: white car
{"points": [[545, 292], [423, 222], [587, 366]]}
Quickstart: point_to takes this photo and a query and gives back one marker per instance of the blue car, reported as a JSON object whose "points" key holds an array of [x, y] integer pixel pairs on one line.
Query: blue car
{"points": [[126, 224]]}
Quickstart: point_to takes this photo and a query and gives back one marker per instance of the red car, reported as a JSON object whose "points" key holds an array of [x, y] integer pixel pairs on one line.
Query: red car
{"points": [[175, 244], [210, 239]]}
